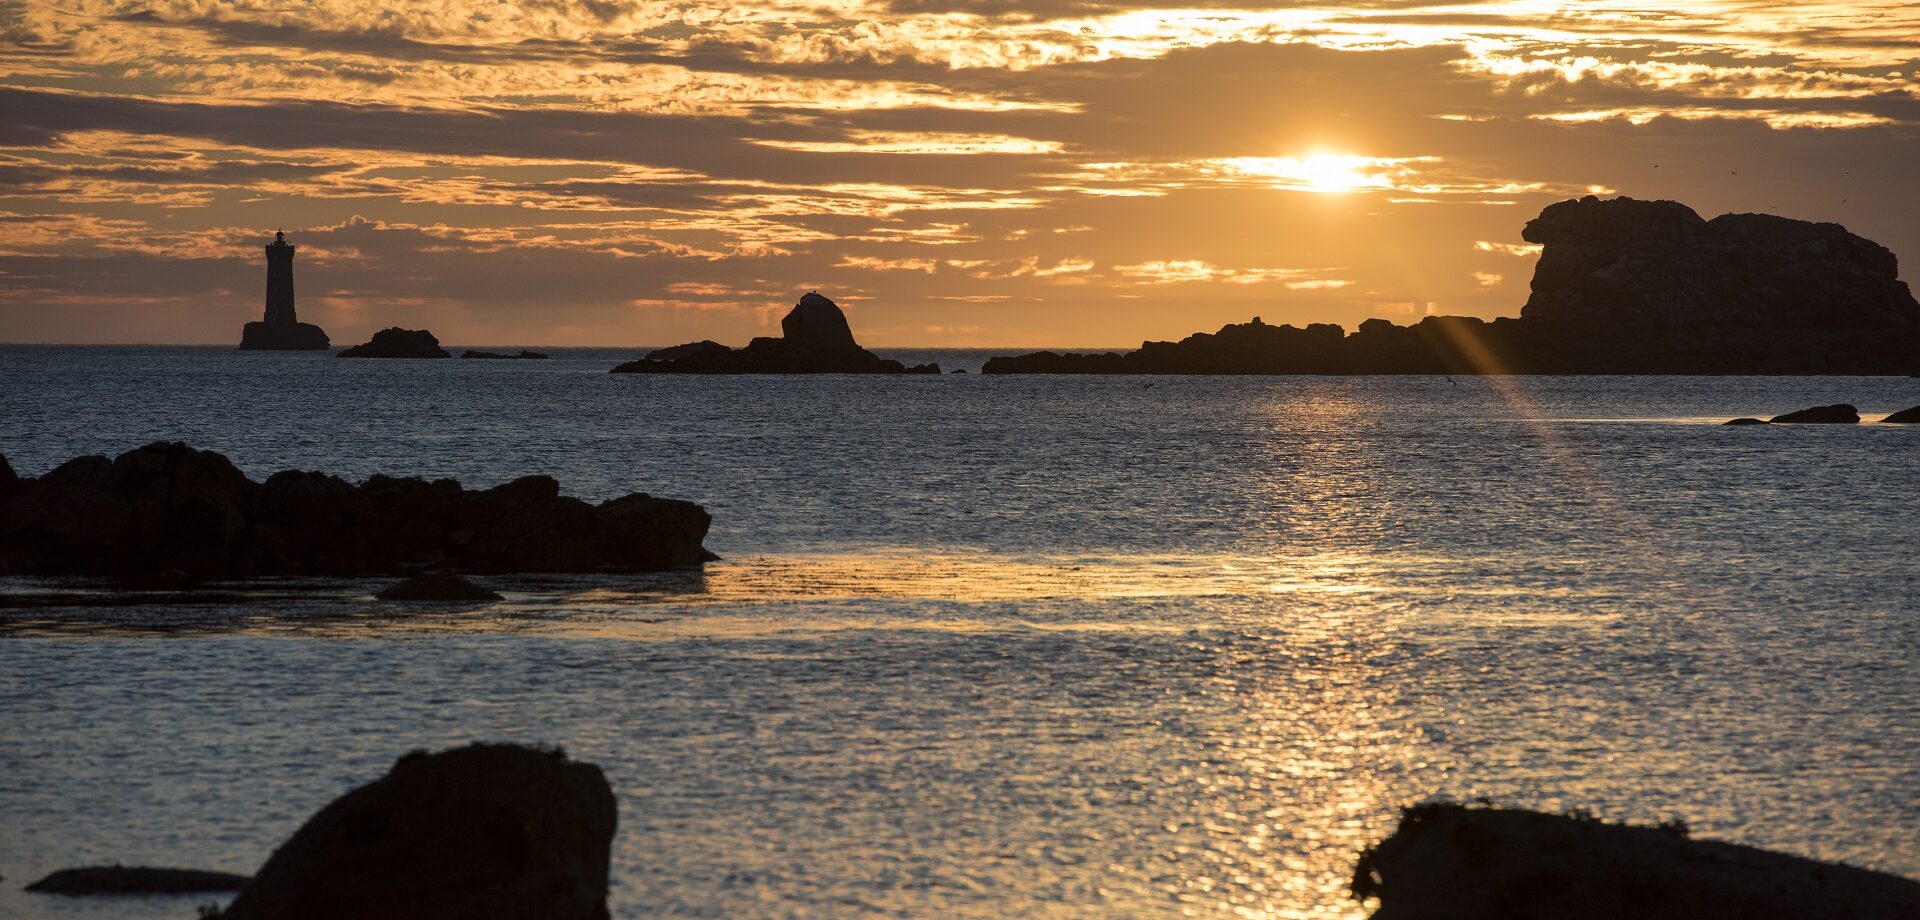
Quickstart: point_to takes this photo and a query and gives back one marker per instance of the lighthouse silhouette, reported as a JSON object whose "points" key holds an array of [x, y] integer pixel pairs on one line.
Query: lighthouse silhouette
{"points": [[280, 329]]}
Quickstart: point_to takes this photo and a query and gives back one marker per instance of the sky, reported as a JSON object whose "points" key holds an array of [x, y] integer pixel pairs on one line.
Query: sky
{"points": [[1017, 173]]}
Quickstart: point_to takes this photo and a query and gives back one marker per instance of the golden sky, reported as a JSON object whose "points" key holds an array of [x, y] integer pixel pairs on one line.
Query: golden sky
{"points": [[953, 172]]}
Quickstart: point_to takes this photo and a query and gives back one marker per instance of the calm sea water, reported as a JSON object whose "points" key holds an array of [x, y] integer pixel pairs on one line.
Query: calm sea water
{"points": [[992, 647]]}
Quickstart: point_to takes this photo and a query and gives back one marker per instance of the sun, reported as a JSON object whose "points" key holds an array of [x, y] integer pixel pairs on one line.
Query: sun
{"points": [[1320, 171], [1331, 172]]}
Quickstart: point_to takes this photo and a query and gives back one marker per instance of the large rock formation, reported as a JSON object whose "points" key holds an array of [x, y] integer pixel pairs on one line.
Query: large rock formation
{"points": [[1638, 264], [280, 329], [1448, 862], [487, 832], [395, 342], [815, 339], [1622, 287], [167, 507]]}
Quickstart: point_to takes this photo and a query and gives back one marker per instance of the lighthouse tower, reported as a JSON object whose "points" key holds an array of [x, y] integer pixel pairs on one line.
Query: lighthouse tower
{"points": [[280, 281], [280, 330]]}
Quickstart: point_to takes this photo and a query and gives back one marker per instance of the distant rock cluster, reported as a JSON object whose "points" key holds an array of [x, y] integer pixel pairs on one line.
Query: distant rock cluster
{"points": [[815, 339], [167, 507], [1622, 287], [1836, 414]]}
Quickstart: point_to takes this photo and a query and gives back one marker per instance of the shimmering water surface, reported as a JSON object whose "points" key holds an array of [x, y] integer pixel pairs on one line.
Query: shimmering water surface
{"points": [[993, 647]]}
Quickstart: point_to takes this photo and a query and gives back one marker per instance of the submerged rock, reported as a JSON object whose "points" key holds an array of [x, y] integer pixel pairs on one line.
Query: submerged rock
{"points": [[1745, 421], [1450, 862], [135, 880], [1837, 414], [496, 356], [396, 342], [1902, 417], [437, 588], [815, 339], [1622, 287], [170, 507], [487, 832]]}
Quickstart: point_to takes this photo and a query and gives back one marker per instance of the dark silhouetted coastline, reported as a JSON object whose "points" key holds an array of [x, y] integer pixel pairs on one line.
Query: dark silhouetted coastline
{"points": [[1622, 287]]}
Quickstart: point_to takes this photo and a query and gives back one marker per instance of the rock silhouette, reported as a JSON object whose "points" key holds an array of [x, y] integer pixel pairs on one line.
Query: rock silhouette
{"points": [[1745, 421], [395, 342], [437, 588], [1449, 862], [168, 507], [1622, 287], [1839, 414], [1902, 417], [486, 832], [279, 329], [496, 356], [125, 880], [815, 339]]}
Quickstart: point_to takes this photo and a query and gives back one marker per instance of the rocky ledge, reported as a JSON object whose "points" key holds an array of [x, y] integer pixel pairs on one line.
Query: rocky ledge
{"points": [[135, 880], [815, 339], [1451, 862], [167, 507], [396, 342], [259, 336], [1622, 287]]}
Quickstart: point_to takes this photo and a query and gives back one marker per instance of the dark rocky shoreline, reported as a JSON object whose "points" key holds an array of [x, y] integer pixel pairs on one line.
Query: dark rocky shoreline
{"points": [[168, 508], [1622, 287]]}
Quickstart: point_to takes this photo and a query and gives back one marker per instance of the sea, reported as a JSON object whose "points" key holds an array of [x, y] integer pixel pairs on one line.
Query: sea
{"points": [[992, 646]]}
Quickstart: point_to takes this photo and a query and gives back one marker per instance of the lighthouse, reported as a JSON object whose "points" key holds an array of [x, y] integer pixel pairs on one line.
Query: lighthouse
{"points": [[279, 329]]}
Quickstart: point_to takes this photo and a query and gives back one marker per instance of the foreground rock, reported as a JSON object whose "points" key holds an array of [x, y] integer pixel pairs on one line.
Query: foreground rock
{"points": [[487, 832], [1622, 287], [168, 506], [121, 880], [1448, 862], [437, 588], [496, 356], [396, 342], [815, 339], [1902, 417], [1838, 414]]}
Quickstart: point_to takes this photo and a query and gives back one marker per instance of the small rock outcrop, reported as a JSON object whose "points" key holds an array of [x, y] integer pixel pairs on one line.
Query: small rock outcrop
{"points": [[395, 342], [437, 588], [135, 880], [1745, 421], [1902, 417], [486, 832], [1449, 862], [168, 506], [1622, 287], [496, 356], [815, 339], [1837, 414]]}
